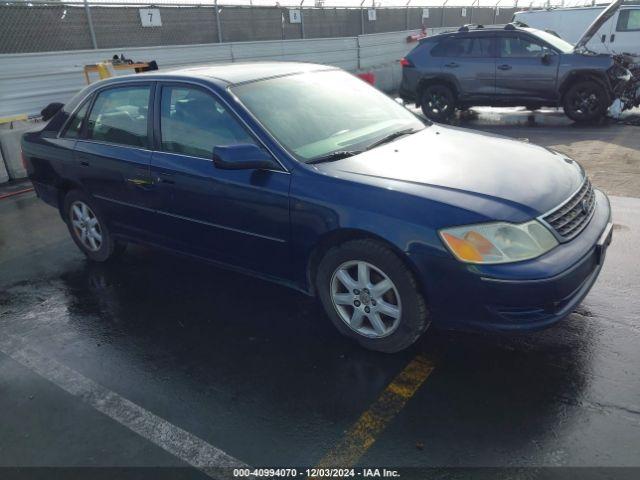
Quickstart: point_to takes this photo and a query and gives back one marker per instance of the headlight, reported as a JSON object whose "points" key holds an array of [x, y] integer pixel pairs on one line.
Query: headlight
{"points": [[498, 242]]}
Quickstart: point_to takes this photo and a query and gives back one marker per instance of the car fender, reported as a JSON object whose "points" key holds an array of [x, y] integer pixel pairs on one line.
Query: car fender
{"points": [[443, 78], [573, 76]]}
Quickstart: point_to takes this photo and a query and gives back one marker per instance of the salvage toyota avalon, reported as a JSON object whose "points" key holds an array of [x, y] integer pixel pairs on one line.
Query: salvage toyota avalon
{"points": [[305, 175]]}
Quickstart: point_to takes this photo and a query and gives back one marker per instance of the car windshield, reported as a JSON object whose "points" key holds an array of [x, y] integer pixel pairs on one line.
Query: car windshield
{"points": [[556, 42], [314, 115]]}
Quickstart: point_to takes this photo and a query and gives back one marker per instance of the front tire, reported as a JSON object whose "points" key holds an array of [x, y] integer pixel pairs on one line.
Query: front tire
{"points": [[88, 228], [371, 296], [585, 101], [438, 102]]}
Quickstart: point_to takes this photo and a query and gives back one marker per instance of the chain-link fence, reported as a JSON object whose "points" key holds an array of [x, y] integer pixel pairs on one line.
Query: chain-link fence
{"points": [[38, 26]]}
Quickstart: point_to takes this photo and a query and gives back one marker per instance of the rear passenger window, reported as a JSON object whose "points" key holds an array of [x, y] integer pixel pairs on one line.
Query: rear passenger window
{"points": [[74, 126], [477, 47], [119, 115], [192, 122], [628, 20]]}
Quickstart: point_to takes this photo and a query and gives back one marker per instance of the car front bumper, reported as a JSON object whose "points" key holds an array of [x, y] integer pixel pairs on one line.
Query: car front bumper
{"points": [[525, 295]]}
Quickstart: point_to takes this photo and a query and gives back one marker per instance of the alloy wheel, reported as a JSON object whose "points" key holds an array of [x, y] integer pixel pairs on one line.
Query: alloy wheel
{"points": [[585, 102], [366, 299], [86, 226]]}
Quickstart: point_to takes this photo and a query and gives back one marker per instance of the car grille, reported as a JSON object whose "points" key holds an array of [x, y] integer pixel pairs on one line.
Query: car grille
{"points": [[569, 219]]}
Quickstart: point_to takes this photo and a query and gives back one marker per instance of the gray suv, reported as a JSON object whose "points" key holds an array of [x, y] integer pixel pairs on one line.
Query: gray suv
{"points": [[509, 66]]}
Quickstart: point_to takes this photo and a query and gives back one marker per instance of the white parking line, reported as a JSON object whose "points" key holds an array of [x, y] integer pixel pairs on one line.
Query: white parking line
{"points": [[178, 442]]}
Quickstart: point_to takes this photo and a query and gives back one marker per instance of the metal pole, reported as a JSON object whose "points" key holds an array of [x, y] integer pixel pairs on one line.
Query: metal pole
{"points": [[442, 19], [406, 20], [362, 17], [471, 13], [87, 10], [218, 24], [301, 20], [495, 12], [282, 19]]}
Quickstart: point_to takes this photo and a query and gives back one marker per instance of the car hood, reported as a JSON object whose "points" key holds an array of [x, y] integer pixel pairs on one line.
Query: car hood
{"points": [[441, 163], [605, 15]]}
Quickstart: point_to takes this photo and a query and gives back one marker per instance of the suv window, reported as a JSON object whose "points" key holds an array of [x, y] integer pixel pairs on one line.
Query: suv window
{"points": [[463, 47], [119, 115], [75, 124], [629, 20], [522, 47], [192, 122]]}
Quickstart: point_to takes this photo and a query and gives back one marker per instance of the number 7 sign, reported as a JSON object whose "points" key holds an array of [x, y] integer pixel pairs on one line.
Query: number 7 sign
{"points": [[150, 17]]}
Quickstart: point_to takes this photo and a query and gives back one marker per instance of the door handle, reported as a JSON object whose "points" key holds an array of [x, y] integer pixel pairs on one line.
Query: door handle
{"points": [[504, 67], [84, 163], [140, 182], [452, 65], [165, 180], [612, 37], [165, 177]]}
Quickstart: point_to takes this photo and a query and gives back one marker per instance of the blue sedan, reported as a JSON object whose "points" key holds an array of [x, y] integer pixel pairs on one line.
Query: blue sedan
{"points": [[305, 175]]}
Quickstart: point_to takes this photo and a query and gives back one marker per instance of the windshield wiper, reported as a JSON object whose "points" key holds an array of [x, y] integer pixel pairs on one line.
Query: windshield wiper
{"points": [[392, 136], [337, 155]]}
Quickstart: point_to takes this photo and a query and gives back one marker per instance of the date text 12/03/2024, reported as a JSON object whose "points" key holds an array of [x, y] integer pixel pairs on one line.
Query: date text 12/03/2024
{"points": [[314, 473]]}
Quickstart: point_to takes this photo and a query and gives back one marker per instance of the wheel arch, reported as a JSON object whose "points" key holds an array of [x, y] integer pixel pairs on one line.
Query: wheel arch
{"points": [[340, 236], [584, 75], [447, 81], [64, 187]]}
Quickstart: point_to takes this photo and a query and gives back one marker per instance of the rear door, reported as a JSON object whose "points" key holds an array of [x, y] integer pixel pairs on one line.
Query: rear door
{"points": [[238, 217], [527, 68], [469, 61], [112, 155], [625, 34]]}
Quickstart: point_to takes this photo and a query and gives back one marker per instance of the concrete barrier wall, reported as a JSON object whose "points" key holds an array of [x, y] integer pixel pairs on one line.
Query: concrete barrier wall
{"points": [[28, 82], [4, 176]]}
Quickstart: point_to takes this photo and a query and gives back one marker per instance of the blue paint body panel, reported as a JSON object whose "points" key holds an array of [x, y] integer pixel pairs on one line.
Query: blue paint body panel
{"points": [[270, 222]]}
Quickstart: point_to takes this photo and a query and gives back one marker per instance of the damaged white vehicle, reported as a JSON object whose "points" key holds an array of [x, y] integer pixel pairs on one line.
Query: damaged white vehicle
{"points": [[623, 74]]}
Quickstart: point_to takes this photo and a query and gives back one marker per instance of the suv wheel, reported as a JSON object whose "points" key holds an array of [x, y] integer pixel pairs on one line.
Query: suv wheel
{"points": [[438, 102], [88, 228], [371, 296], [585, 101]]}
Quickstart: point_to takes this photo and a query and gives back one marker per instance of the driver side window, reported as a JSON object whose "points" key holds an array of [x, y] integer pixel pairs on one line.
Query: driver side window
{"points": [[192, 123], [522, 47]]}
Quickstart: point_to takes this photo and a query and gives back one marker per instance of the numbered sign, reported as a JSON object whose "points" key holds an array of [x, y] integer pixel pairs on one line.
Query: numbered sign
{"points": [[150, 17], [295, 16], [425, 13], [372, 14]]}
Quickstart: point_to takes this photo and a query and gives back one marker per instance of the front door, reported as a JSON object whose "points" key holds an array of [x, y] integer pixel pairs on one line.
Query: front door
{"points": [[239, 217], [526, 69]]}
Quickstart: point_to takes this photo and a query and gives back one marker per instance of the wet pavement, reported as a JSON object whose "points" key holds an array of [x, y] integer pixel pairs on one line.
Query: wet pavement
{"points": [[256, 371]]}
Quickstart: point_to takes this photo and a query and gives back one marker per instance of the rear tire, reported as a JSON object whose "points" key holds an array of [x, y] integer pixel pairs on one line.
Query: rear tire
{"points": [[88, 228], [438, 102], [585, 101], [381, 308]]}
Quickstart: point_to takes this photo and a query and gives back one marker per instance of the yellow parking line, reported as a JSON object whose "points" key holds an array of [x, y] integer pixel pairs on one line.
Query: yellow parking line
{"points": [[366, 430]]}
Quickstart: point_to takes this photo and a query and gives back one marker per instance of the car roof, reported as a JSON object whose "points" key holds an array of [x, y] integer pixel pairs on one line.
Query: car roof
{"points": [[235, 73], [489, 30]]}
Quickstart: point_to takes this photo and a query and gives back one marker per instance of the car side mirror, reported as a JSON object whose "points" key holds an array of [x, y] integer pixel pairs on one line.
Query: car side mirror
{"points": [[242, 157], [546, 58]]}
